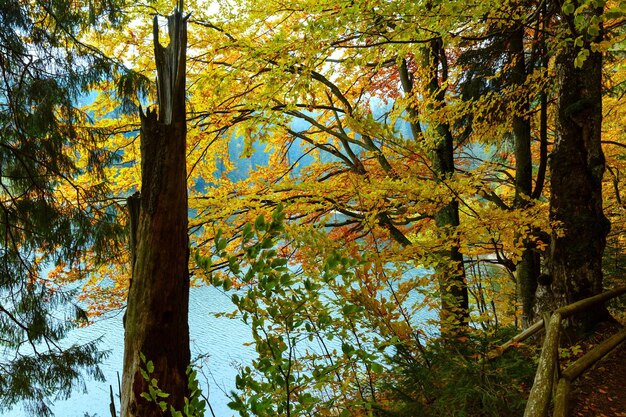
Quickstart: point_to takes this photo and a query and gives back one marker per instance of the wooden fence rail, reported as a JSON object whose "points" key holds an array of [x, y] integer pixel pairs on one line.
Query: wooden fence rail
{"points": [[548, 374]]}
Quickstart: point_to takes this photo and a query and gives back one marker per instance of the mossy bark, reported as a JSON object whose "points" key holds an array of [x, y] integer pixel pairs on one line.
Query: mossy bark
{"points": [[158, 301], [577, 165]]}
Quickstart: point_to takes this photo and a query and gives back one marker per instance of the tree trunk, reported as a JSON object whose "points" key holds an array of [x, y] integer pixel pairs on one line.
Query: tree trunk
{"points": [[577, 165], [452, 283], [527, 270], [158, 301]]}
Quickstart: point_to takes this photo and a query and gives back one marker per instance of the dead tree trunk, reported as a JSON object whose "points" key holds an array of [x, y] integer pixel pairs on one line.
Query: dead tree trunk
{"points": [[158, 300]]}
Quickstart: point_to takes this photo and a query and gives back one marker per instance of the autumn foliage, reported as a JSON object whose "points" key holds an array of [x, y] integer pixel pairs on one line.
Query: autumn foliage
{"points": [[355, 164]]}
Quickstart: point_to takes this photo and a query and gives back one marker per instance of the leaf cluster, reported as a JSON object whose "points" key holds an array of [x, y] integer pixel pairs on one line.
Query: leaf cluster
{"points": [[194, 406]]}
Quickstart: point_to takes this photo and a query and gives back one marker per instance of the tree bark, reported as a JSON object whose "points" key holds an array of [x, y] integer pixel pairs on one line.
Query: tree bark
{"points": [[577, 166], [158, 300], [452, 282], [527, 270]]}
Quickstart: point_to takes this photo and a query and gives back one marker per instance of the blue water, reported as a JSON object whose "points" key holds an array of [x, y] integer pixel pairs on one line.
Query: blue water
{"points": [[218, 341], [221, 340]]}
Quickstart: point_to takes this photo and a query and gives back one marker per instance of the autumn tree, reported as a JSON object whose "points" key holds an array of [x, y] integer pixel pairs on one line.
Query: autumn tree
{"points": [[528, 268], [389, 175], [452, 285], [292, 98], [613, 149]]}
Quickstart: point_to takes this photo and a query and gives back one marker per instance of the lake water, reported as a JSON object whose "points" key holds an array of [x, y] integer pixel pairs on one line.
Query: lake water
{"points": [[222, 339]]}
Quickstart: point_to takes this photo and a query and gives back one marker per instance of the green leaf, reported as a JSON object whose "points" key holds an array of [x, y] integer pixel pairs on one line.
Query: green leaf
{"points": [[579, 42], [240, 383], [249, 275], [568, 8], [579, 20], [580, 59], [150, 367], [278, 215], [221, 244], [218, 237], [215, 281], [246, 233], [233, 264], [614, 13], [144, 374], [349, 309], [259, 223], [278, 262], [376, 367], [285, 280]]}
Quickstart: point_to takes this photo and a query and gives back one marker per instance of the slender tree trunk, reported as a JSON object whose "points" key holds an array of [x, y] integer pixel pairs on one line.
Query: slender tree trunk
{"points": [[521, 122], [158, 301], [527, 269], [452, 283], [577, 166]]}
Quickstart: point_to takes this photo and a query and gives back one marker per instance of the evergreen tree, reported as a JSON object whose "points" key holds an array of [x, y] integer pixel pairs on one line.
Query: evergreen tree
{"points": [[502, 62], [47, 219]]}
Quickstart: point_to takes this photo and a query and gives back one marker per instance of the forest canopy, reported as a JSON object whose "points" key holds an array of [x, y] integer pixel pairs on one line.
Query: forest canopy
{"points": [[343, 166]]}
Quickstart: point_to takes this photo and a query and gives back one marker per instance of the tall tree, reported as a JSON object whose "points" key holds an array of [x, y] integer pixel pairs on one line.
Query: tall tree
{"points": [[577, 165], [452, 284], [48, 219], [158, 300], [506, 60], [527, 270]]}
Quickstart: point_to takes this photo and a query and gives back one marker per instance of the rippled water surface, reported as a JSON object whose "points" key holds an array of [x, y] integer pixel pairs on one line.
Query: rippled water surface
{"points": [[221, 339]]}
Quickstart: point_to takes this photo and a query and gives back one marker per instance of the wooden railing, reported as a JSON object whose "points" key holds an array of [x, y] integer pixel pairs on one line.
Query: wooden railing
{"points": [[549, 376]]}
